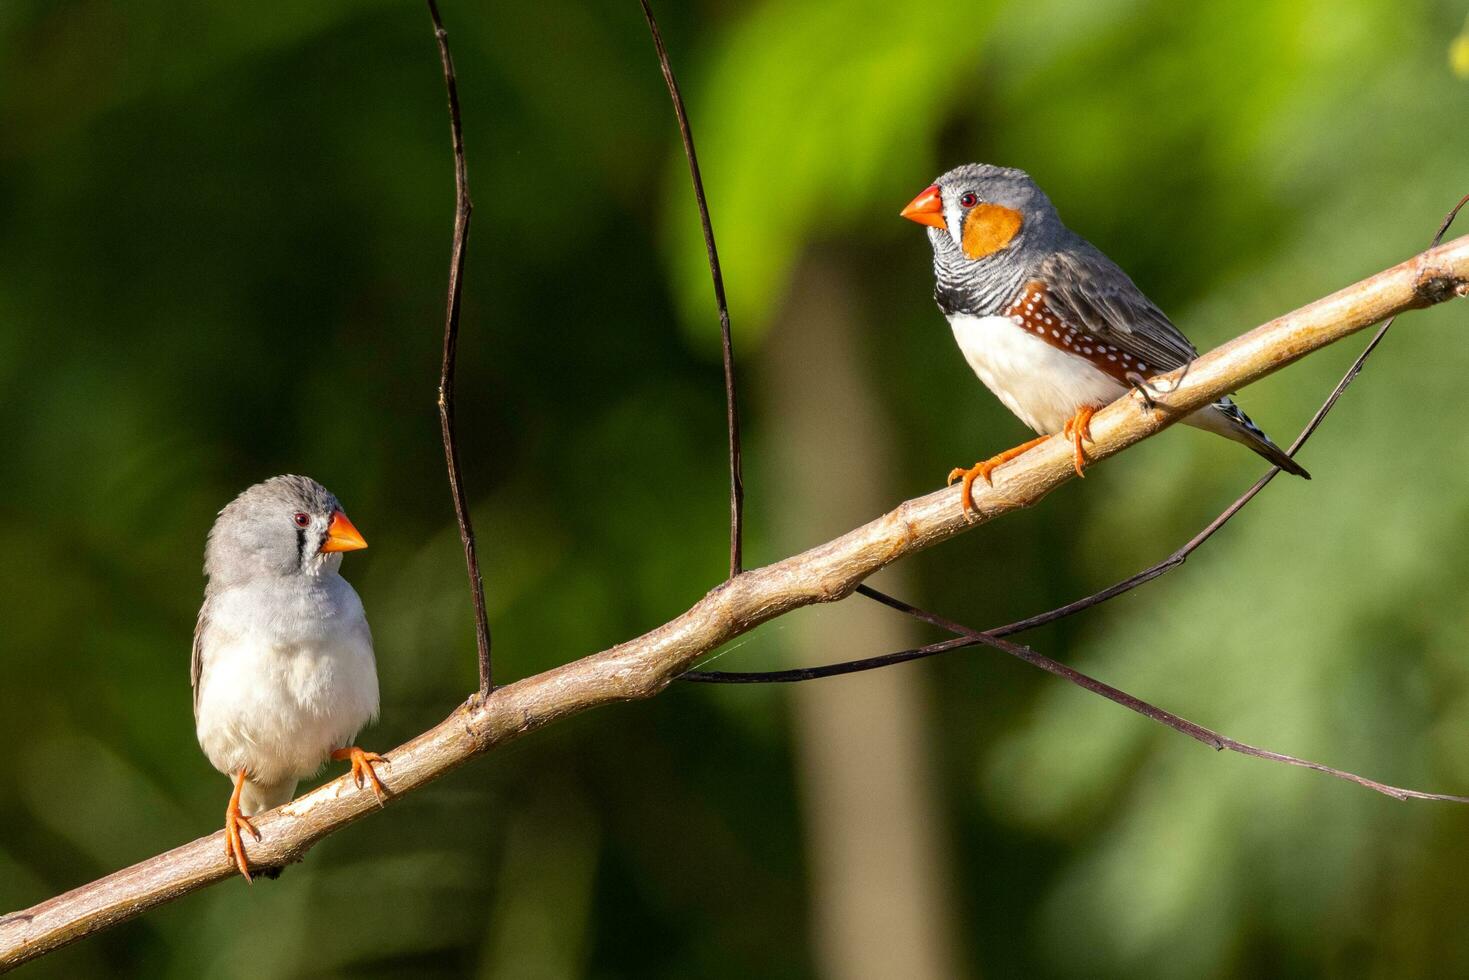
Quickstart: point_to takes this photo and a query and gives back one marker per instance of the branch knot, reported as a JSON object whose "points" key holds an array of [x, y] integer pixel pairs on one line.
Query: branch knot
{"points": [[1435, 286]]}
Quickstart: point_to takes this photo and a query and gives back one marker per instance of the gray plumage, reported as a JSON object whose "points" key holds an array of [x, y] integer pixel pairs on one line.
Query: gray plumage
{"points": [[282, 666], [255, 536]]}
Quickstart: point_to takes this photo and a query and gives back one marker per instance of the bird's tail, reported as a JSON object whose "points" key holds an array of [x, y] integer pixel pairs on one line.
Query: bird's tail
{"points": [[1225, 418]]}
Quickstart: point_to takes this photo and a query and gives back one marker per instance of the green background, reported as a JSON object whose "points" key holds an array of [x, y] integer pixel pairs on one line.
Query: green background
{"points": [[223, 239]]}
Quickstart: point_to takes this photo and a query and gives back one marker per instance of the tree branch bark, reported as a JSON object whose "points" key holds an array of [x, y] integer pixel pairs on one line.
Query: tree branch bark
{"points": [[642, 667]]}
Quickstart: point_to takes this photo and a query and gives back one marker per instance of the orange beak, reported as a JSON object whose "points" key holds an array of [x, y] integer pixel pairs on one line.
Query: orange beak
{"points": [[341, 535], [927, 208]]}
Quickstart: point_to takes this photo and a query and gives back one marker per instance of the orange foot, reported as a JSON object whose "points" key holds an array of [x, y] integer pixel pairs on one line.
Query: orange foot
{"points": [[984, 469], [1079, 427], [362, 767], [234, 847]]}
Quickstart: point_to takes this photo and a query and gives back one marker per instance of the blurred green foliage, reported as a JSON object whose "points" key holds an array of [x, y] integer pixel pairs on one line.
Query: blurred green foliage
{"points": [[223, 239]]}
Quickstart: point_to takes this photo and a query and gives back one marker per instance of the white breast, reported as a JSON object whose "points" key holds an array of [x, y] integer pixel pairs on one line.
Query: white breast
{"points": [[288, 676], [1041, 384]]}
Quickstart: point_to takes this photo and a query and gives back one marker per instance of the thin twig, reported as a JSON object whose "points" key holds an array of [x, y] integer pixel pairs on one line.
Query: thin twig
{"points": [[731, 403], [1195, 731], [967, 637], [463, 207]]}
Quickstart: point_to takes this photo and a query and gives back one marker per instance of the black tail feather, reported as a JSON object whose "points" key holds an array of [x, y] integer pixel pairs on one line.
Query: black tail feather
{"points": [[1247, 432], [1277, 456]]}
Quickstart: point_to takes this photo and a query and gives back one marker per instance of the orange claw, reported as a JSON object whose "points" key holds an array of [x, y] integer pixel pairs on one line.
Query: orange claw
{"points": [[234, 847], [1079, 427], [362, 766], [985, 468]]}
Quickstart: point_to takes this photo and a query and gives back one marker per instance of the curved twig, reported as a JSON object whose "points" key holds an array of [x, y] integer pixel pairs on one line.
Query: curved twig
{"points": [[731, 402], [1178, 723], [463, 207]]}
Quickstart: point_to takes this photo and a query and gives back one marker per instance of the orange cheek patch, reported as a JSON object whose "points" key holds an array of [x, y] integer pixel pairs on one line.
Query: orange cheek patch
{"points": [[989, 228]]}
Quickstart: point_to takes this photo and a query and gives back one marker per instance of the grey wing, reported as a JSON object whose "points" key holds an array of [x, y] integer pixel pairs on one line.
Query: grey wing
{"points": [[196, 659], [1087, 289]]}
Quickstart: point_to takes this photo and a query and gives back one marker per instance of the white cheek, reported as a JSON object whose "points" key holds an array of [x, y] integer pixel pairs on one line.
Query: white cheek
{"points": [[954, 218]]}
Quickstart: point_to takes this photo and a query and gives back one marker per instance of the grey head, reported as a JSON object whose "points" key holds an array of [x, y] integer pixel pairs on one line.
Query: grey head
{"points": [[286, 526], [990, 228]]}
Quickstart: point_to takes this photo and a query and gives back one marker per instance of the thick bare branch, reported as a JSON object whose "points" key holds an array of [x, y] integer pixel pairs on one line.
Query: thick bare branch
{"points": [[642, 667]]}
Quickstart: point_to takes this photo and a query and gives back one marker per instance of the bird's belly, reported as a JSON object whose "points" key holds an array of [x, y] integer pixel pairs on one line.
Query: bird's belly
{"points": [[1041, 384], [278, 709]]}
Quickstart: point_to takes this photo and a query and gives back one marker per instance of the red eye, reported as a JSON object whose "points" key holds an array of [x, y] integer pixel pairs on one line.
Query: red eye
{"points": [[302, 520], [969, 199]]}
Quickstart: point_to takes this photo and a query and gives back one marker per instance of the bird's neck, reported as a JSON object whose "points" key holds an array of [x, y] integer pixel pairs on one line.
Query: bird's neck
{"points": [[985, 287], [321, 565], [318, 575]]}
